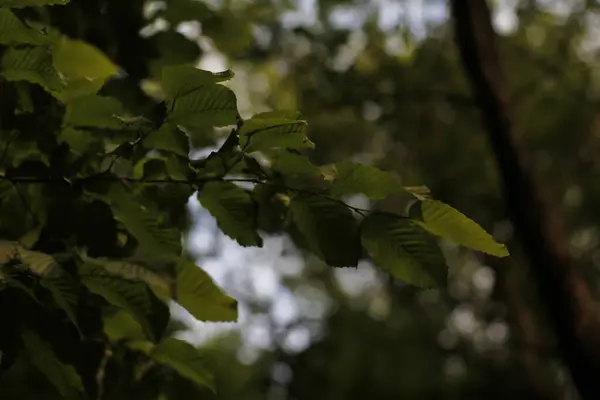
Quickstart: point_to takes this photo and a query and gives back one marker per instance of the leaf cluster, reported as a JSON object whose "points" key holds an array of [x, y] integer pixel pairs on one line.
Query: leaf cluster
{"points": [[93, 206]]}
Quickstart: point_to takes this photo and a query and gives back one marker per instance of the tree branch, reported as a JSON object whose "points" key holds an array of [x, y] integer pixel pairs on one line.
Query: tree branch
{"points": [[565, 294]]}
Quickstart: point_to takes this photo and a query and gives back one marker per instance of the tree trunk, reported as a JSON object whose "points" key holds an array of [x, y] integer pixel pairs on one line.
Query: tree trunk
{"points": [[567, 298]]}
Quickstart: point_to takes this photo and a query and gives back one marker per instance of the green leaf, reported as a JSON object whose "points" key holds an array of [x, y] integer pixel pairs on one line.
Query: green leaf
{"points": [[78, 87], [78, 59], [142, 224], [200, 296], [31, 238], [419, 192], [444, 220], [32, 64], [271, 208], [38, 263], [234, 210], [351, 178], [65, 293], [132, 271], [12, 280], [133, 297], [31, 3], [179, 80], [181, 356], [121, 325], [328, 227], [94, 112], [63, 376], [206, 106], [13, 31], [270, 130], [168, 138], [79, 140], [399, 246], [298, 172]]}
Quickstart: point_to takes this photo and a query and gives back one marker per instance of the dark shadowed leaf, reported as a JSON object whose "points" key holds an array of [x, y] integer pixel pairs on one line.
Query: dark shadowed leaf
{"points": [[133, 297], [142, 224], [234, 210], [65, 292], [328, 227], [32, 64], [62, 376], [399, 246], [183, 79], [206, 106], [168, 138], [352, 178], [31, 3], [94, 111], [181, 356]]}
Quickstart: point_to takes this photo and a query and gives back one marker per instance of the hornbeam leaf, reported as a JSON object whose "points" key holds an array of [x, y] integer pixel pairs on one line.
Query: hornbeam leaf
{"points": [[234, 209], [399, 246], [63, 376], [178, 80], [206, 106], [93, 111], [444, 220], [31, 3], [133, 297], [200, 296], [142, 224], [181, 356], [32, 64], [13, 31], [65, 292], [328, 227], [270, 130], [78, 59], [351, 178]]}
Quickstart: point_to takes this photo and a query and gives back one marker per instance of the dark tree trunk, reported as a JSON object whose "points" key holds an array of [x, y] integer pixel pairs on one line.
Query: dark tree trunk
{"points": [[571, 309]]}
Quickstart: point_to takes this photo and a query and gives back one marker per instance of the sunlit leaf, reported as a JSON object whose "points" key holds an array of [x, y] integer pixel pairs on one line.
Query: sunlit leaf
{"points": [[201, 297], [36, 262], [328, 227], [78, 59], [399, 246], [234, 210], [444, 220]]}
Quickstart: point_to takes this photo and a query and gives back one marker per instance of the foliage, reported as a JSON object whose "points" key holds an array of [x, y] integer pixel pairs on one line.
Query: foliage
{"points": [[92, 196]]}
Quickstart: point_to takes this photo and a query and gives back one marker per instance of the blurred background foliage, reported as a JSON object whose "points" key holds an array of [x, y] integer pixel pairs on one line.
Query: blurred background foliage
{"points": [[380, 82]]}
